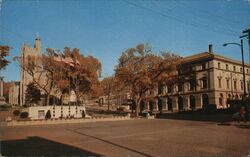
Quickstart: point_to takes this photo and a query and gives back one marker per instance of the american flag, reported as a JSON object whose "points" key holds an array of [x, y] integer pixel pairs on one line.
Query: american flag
{"points": [[68, 60]]}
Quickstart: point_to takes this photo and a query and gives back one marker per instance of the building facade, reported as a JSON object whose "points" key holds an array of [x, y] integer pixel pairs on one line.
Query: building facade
{"points": [[14, 97], [205, 78]]}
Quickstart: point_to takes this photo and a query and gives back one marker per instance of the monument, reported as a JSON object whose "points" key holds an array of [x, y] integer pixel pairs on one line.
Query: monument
{"points": [[2, 99]]}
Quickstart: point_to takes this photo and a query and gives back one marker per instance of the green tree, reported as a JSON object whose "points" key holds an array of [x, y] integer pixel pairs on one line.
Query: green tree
{"points": [[33, 94], [48, 115]]}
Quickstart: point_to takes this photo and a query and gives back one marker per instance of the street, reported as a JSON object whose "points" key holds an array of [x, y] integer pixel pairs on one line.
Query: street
{"points": [[141, 137]]}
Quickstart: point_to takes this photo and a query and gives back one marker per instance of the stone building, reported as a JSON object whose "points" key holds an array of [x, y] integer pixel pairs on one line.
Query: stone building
{"points": [[29, 55], [206, 78], [14, 93]]}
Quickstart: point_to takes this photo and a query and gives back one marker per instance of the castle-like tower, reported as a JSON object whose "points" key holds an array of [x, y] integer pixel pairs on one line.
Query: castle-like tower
{"points": [[29, 55]]}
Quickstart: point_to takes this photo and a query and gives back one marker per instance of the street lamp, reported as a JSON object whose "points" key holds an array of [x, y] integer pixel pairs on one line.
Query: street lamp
{"points": [[243, 65]]}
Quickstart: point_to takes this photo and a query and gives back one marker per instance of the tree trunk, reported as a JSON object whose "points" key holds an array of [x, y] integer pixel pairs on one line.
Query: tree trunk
{"points": [[108, 102], [138, 102], [47, 101]]}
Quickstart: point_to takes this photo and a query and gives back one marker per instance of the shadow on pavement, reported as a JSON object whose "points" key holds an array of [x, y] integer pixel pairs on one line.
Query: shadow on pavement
{"points": [[198, 116], [37, 146], [109, 142], [243, 126], [238, 125]]}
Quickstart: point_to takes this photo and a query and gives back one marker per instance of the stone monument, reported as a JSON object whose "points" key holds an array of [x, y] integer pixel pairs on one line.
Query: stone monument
{"points": [[2, 99]]}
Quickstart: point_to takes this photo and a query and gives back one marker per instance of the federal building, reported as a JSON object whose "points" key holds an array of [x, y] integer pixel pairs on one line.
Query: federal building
{"points": [[208, 78]]}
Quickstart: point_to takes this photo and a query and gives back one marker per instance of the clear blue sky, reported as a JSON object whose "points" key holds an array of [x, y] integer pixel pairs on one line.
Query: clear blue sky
{"points": [[105, 28]]}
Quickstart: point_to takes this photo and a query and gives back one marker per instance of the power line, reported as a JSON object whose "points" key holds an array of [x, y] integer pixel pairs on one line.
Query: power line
{"points": [[181, 20], [14, 33], [219, 19], [211, 14], [216, 28]]}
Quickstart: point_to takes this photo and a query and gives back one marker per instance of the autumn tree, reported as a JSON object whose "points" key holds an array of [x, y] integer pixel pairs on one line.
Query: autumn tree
{"points": [[62, 72], [140, 69], [78, 73], [41, 70], [4, 52], [108, 85]]}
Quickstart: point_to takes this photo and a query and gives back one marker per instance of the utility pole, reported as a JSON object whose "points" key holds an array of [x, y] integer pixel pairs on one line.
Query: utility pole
{"points": [[246, 33]]}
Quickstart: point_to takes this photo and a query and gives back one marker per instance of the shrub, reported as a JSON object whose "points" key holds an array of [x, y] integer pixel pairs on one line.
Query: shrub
{"points": [[210, 108], [16, 112], [5, 107], [120, 109], [24, 115], [48, 115]]}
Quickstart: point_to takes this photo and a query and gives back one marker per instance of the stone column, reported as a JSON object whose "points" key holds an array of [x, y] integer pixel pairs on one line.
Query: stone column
{"points": [[164, 104], [146, 105], [156, 104], [1, 87], [2, 99]]}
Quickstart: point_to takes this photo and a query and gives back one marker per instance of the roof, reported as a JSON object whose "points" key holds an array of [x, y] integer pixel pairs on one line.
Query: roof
{"points": [[207, 55]]}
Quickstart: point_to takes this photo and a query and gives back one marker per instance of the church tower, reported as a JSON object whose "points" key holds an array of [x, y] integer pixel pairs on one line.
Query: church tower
{"points": [[29, 54], [37, 46]]}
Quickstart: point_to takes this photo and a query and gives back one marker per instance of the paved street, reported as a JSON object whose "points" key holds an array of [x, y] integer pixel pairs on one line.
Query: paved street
{"points": [[159, 137]]}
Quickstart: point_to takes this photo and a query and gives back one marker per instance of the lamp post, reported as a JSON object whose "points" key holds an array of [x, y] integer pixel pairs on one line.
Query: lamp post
{"points": [[243, 65]]}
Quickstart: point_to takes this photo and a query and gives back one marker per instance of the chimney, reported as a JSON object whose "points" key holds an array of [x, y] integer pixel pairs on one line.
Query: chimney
{"points": [[210, 48]]}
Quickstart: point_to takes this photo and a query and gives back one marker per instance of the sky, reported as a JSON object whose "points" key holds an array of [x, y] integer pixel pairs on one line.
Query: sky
{"points": [[106, 28]]}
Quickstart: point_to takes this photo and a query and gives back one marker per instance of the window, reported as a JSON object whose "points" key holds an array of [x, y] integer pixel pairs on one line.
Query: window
{"points": [[169, 89], [247, 71], [192, 85], [219, 65], [234, 68], [187, 87], [203, 66], [160, 89], [41, 114], [180, 87], [248, 87], [226, 66], [241, 70], [204, 83], [227, 84], [241, 85], [235, 84], [219, 80]]}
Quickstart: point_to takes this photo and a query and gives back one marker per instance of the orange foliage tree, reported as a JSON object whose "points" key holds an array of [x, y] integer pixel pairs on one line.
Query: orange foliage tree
{"points": [[74, 71], [108, 86], [4, 52], [140, 70], [55, 73]]}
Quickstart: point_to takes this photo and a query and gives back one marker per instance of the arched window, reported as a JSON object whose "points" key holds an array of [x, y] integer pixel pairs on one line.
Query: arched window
{"points": [[218, 65], [192, 102], [180, 103], [205, 100], [221, 99]]}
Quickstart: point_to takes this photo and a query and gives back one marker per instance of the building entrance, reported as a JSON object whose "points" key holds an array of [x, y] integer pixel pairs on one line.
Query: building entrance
{"points": [[192, 102]]}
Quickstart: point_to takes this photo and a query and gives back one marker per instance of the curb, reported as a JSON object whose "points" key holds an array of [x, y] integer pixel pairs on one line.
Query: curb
{"points": [[62, 121]]}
